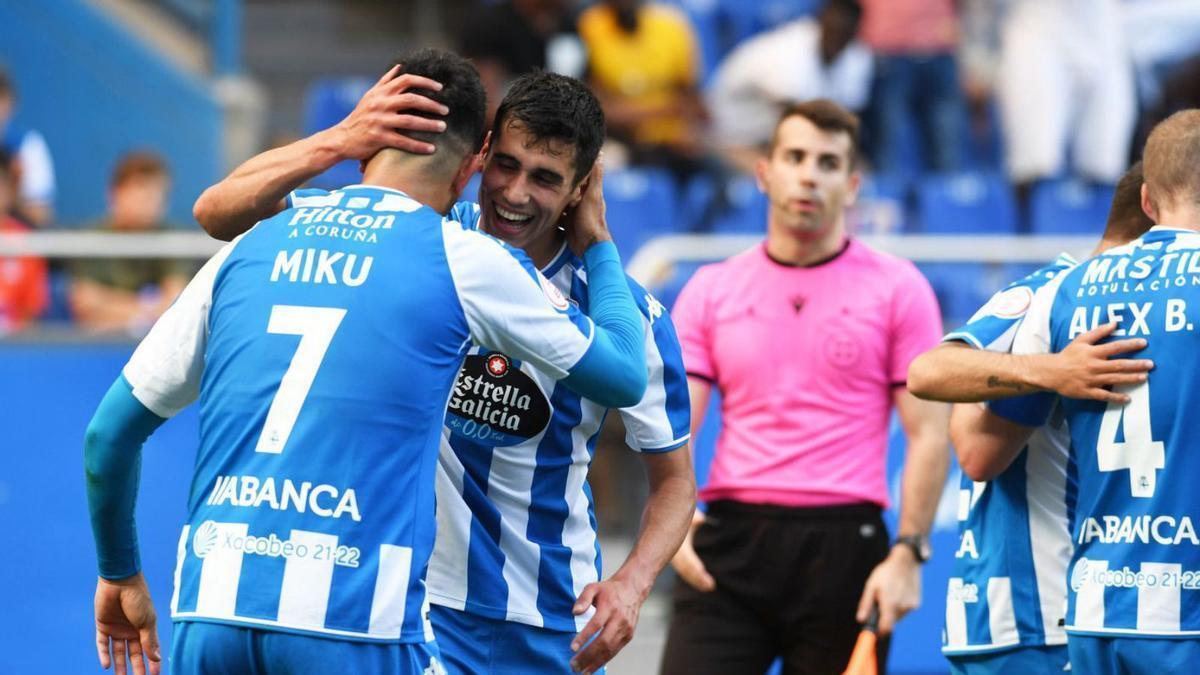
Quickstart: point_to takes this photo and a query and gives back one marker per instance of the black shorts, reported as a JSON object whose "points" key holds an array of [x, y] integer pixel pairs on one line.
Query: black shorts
{"points": [[788, 585]]}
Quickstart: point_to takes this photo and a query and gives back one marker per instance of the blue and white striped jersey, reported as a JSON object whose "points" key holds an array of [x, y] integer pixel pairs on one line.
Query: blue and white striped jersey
{"points": [[1136, 567], [516, 532], [1008, 585], [323, 345]]}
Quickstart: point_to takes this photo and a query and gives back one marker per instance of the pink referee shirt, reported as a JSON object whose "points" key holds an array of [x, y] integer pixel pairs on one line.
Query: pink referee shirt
{"points": [[806, 360]]}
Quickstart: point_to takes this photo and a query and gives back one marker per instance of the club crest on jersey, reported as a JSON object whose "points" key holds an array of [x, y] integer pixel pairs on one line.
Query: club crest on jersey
{"points": [[497, 365], [554, 295], [1010, 304], [495, 403]]}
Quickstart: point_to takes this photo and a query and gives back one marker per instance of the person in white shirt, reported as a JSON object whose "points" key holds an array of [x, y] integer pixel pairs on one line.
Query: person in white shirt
{"points": [[801, 60]]}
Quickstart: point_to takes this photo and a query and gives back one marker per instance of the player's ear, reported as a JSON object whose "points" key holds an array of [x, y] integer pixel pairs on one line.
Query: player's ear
{"points": [[760, 172], [487, 144], [853, 184], [1148, 206]]}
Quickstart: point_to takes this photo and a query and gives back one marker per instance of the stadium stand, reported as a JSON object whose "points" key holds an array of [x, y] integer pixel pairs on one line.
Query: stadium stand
{"points": [[966, 203]]}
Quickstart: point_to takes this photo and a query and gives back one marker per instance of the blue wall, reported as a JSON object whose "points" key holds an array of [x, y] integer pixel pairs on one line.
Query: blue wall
{"points": [[47, 395], [96, 91]]}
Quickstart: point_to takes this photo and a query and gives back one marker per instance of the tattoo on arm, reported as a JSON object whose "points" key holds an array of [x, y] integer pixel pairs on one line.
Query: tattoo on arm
{"points": [[994, 382]]}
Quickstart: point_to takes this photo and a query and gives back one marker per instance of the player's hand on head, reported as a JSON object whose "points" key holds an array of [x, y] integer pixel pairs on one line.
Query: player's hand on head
{"points": [[894, 587], [618, 602], [687, 563], [1086, 369], [385, 113], [585, 223], [127, 626]]}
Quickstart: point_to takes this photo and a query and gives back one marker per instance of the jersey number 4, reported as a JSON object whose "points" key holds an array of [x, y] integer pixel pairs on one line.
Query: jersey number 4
{"points": [[315, 326], [1139, 452]]}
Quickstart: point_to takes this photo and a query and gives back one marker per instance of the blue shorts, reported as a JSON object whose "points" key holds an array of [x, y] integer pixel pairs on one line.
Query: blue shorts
{"points": [[473, 644], [202, 648], [1028, 660], [1128, 655]]}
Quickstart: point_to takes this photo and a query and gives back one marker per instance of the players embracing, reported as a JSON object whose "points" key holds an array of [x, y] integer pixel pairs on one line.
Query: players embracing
{"points": [[514, 579], [1123, 490], [323, 345]]}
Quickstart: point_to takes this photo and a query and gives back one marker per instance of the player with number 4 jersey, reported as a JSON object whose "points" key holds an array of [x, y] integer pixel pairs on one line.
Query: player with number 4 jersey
{"points": [[322, 345], [1136, 568]]}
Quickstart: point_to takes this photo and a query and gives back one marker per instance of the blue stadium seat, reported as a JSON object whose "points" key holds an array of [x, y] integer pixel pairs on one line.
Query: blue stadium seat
{"points": [[962, 288], [744, 210], [640, 204], [748, 18], [882, 206], [58, 309], [326, 103], [966, 203], [710, 26], [668, 290], [1069, 206]]}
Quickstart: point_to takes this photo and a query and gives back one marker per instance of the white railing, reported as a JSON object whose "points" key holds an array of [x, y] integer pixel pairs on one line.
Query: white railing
{"points": [[195, 245], [654, 260], [649, 263]]}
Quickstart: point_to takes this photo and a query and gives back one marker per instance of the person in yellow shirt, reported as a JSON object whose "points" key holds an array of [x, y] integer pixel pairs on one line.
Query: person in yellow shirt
{"points": [[644, 65]]}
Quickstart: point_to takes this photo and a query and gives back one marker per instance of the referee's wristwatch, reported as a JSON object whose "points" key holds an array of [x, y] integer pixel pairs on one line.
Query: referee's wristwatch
{"points": [[918, 543]]}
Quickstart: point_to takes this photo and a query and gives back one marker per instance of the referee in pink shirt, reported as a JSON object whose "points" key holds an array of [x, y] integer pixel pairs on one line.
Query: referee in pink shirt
{"points": [[808, 338]]}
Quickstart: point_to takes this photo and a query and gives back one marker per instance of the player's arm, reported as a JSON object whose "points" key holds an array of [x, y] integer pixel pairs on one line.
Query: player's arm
{"points": [[161, 378], [256, 189], [986, 443], [612, 371], [956, 372], [659, 427], [619, 598]]}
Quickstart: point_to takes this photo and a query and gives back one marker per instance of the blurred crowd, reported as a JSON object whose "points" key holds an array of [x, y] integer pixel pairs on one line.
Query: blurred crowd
{"points": [[1026, 90]]}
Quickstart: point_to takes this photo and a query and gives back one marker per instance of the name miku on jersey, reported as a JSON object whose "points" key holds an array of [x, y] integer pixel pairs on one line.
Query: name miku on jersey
{"points": [[1007, 586]]}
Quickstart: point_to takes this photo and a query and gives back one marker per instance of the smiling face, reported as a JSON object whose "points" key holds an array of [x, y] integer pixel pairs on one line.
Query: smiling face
{"points": [[527, 184], [809, 180]]}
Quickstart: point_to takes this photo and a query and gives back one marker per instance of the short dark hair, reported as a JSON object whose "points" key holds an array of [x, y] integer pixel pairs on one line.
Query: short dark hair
{"points": [[553, 106], [7, 90], [462, 92], [826, 116], [1126, 219], [850, 7], [139, 164]]}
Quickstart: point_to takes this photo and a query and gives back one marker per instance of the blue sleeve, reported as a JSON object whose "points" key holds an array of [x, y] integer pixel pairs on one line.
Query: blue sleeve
{"points": [[112, 459], [1032, 410], [612, 371]]}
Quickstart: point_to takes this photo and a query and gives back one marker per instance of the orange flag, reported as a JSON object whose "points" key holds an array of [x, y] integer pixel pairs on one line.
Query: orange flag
{"points": [[862, 659]]}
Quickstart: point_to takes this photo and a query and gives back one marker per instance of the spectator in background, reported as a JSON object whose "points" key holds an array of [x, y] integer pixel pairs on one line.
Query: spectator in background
{"points": [[34, 168], [752, 86], [644, 65], [916, 78], [23, 281], [508, 39], [1064, 82], [123, 294]]}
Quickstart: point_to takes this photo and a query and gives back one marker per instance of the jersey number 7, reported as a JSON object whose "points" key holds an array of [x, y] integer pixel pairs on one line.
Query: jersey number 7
{"points": [[1139, 452], [315, 326]]}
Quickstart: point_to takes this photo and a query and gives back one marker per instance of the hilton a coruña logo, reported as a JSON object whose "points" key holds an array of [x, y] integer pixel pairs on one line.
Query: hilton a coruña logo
{"points": [[494, 403]]}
